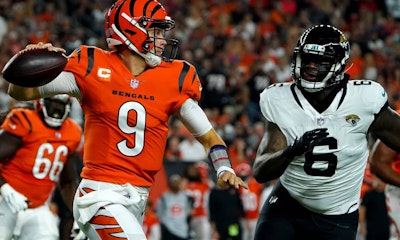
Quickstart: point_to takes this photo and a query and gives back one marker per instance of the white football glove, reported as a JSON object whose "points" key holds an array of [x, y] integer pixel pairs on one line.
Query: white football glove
{"points": [[15, 200]]}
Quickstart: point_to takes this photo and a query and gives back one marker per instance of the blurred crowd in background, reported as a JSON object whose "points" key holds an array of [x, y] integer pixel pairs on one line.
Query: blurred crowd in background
{"points": [[238, 47]]}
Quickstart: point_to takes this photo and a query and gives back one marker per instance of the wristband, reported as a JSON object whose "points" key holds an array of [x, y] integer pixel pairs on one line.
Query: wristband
{"points": [[223, 169], [218, 155]]}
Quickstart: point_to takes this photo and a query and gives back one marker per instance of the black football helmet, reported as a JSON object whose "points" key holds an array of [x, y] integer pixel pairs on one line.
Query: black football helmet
{"points": [[54, 110], [319, 58]]}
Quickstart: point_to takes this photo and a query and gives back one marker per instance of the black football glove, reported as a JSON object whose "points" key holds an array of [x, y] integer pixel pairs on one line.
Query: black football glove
{"points": [[305, 143]]}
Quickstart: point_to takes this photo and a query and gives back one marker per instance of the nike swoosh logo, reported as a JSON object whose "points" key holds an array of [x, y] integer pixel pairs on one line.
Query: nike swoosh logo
{"points": [[12, 126], [383, 94]]}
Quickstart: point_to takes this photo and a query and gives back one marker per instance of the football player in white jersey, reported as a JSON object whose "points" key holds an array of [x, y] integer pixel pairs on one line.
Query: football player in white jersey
{"points": [[316, 141]]}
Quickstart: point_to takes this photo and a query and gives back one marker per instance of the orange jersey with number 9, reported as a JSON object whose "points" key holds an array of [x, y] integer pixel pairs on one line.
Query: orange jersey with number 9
{"points": [[35, 168], [126, 116]]}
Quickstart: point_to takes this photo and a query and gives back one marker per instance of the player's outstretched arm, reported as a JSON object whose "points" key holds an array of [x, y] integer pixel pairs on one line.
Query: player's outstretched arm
{"points": [[9, 144], [386, 127], [218, 155], [270, 163], [381, 163], [274, 156]]}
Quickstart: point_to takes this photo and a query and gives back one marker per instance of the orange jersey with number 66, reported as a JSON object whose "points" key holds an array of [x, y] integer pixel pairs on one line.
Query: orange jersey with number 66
{"points": [[35, 168]]}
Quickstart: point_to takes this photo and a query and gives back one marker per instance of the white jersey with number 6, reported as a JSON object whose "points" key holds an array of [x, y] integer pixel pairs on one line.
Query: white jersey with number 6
{"points": [[328, 179]]}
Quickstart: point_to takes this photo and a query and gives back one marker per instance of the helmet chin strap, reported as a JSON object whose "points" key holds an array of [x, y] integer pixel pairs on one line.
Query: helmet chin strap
{"points": [[312, 87]]}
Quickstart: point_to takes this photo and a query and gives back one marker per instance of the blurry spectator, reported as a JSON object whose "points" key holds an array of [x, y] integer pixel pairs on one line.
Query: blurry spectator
{"points": [[255, 135], [239, 154], [251, 200], [226, 211], [191, 150], [214, 84], [199, 190], [172, 151], [257, 82], [393, 8], [224, 122], [283, 71], [174, 209], [3, 26], [356, 62], [206, 177], [370, 71], [151, 223], [374, 218]]}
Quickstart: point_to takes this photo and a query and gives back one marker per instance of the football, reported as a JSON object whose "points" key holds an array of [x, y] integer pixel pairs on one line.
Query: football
{"points": [[34, 67]]}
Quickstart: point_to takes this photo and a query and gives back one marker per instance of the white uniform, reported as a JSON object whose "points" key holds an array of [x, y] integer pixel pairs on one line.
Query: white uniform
{"points": [[328, 179]]}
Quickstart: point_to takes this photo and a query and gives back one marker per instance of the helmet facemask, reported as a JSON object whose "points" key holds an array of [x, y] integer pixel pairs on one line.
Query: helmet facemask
{"points": [[319, 61], [54, 110], [170, 49]]}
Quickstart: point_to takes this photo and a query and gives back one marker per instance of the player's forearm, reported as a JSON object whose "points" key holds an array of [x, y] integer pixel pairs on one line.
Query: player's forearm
{"points": [[68, 192], [386, 173], [270, 166]]}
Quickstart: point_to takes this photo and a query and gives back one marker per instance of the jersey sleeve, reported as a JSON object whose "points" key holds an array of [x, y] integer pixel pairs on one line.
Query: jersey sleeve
{"points": [[375, 97], [268, 98], [188, 83], [77, 61], [81, 62], [264, 104], [17, 123]]}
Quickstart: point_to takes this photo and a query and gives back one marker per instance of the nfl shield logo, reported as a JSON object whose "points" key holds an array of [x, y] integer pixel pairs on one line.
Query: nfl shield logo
{"points": [[134, 83], [320, 121]]}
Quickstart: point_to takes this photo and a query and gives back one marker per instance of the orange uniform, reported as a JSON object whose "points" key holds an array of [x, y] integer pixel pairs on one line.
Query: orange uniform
{"points": [[396, 163], [126, 116], [38, 163], [251, 198], [198, 191], [150, 220]]}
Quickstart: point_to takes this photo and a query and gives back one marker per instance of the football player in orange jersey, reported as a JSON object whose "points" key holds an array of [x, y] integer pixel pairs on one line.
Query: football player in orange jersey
{"points": [[151, 222], [385, 162], [199, 190], [127, 95], [37, 149]]}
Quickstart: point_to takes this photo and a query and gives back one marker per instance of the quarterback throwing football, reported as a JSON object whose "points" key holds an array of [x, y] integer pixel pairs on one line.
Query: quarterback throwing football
{"points": [[127, 96]]}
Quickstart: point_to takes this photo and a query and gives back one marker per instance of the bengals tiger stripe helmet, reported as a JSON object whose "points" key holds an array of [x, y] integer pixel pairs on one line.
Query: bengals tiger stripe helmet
{"points": [[128, 22]]}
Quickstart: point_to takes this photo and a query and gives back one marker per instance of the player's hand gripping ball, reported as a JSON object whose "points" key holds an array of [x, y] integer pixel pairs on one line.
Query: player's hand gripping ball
{"points": [[34, 67]]}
